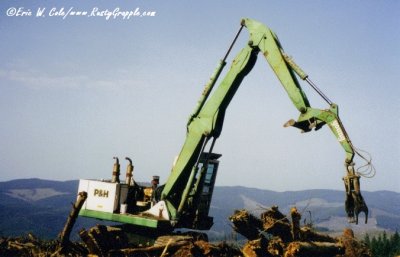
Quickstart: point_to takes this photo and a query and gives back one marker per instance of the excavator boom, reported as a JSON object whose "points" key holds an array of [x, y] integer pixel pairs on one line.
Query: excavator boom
{"points": [[205, 124], [184, 200]]}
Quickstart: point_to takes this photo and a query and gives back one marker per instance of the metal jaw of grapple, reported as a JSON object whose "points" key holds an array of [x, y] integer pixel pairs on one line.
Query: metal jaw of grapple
{"points": [[354, 201], [305, 125]]}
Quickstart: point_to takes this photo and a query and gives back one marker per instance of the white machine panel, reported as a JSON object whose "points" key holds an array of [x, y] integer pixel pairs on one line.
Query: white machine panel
{"points": [[102, 196]]}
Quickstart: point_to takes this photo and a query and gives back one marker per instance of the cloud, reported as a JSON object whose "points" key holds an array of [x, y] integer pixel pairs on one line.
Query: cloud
{"points": [[37, 79], [44, 80]]}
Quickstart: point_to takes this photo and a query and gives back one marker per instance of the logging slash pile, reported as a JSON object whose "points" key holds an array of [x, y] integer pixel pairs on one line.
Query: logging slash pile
{"points": [[271, 235]]}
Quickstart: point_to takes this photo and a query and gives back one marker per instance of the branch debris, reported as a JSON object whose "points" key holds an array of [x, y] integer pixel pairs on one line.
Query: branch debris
{"points": [[271, 235]]}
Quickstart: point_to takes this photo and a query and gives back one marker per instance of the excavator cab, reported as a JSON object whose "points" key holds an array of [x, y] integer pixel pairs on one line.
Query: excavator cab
{"points": [[199, 200]]}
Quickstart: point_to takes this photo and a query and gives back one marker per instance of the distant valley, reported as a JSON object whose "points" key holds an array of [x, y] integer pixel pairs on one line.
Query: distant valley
{"points": [[42, 206]]}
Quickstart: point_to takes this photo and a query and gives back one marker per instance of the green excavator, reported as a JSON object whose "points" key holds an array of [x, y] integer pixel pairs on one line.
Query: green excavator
{"points": [[184, 200]]}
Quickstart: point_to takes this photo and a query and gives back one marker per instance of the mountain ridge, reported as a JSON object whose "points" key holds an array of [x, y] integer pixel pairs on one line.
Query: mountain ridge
{"points": [[45, 215]]}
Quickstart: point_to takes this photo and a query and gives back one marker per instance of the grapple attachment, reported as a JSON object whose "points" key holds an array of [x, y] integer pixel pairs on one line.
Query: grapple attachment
{"points": [[354, 201]]}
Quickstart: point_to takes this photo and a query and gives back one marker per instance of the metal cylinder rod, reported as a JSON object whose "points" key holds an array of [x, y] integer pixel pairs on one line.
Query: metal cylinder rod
{"points": [[233, 43], [192, 175], [318, 91], [289, 60], [209, 86]]}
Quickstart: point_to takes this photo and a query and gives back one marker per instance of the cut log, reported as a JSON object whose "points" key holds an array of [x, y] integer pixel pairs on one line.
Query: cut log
{"points": [[276, 247], [246, 224], [64, 236], [273, 214], [296, 217], [151, 250], [276, 224], [171, 239], [313, 249], [255, 248], [354, 248], [101, 239], [307, 234]]}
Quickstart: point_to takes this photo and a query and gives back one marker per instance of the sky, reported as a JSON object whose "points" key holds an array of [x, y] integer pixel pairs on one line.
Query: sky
{"points": [[77, 90]]}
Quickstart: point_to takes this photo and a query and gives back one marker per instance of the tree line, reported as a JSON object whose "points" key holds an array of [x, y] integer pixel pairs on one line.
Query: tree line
{"points": [[383, 245]]}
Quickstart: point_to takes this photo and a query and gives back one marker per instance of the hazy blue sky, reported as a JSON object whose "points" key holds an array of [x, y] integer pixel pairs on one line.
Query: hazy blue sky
{"points": [[76, 91]]}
